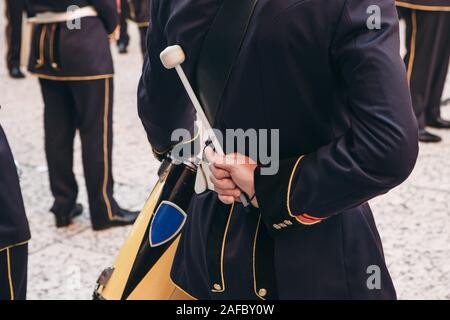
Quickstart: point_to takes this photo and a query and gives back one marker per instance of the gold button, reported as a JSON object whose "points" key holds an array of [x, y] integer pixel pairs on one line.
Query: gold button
{"points": [[54, 65], [287, 222], [276, 226], [262, 292], [217, 287]]}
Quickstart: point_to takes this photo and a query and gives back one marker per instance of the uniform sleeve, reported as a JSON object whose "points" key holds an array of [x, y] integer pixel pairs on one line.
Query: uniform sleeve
{"points": [[107, 11], [379, 150], [163, 104]]}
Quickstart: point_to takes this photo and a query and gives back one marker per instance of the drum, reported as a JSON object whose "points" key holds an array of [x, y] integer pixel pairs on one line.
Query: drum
{"points": [[142, 269]]}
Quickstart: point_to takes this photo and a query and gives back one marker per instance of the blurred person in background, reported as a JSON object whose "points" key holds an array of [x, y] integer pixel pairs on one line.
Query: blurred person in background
{"points": [[138, 11], [427, 60], [14, 14], [70, 54]]}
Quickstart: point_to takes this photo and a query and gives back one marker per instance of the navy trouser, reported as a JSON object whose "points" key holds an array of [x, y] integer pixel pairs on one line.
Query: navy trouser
{"points": [[427, 60], [85, 106], [14, 13], [13, 272]]}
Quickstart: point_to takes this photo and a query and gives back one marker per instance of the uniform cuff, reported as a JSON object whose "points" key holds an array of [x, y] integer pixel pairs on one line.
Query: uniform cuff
{"points": [[161, 155], [274, 193]]}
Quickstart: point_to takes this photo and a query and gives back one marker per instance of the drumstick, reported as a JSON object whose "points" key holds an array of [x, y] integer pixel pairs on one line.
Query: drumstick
{"points": [[172, 57]]}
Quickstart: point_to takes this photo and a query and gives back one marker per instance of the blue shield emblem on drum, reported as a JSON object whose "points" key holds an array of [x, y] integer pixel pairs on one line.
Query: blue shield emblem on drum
{"points": [[167, 223]]}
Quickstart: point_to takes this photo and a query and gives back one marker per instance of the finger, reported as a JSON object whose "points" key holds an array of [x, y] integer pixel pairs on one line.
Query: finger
{"points": [[229, 192], [225, 184], [229, 161], [211, 156], [234, 159], [224, 163], [219, 173], [226, 199], [221, 162]]}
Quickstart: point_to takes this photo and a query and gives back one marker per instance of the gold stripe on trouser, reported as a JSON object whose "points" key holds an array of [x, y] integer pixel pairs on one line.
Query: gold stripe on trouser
{"points": [[41, 60], [105, 150], [53, 63], [8, 261], [412, 46]]}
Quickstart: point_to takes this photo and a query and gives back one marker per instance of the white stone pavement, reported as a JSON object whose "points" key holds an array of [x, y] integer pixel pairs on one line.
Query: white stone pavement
{"points": [[414, 219]]}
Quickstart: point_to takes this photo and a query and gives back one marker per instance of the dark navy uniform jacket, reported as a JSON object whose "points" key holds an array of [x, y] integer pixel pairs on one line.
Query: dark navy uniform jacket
{"points": [[426, 5], [61, 53], [13, 221], [339, 95]]}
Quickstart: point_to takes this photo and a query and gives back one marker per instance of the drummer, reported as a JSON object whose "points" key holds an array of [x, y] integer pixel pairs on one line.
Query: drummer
{"points": [[338, 93], [14, 13]]}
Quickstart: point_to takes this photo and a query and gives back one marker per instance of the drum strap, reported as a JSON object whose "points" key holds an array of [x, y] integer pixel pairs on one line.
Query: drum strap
{"points": [[220, 50]]}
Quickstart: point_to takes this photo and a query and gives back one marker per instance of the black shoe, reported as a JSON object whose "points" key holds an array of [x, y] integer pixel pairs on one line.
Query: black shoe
{"points": [[439, 123], [122, 48], [16, 73], [425, 136], [66, 220], [121, 218]]}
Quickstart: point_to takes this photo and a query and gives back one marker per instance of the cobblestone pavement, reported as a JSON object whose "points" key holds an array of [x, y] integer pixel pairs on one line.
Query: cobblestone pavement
{"points": [[414, 219]]}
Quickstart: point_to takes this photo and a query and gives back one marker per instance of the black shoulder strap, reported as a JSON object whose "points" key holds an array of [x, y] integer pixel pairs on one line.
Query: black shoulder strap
{"points": [[219, 52]]}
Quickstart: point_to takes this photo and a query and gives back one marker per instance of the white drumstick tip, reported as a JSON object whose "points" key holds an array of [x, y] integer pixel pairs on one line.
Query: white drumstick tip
{"points": [[172, 57]]}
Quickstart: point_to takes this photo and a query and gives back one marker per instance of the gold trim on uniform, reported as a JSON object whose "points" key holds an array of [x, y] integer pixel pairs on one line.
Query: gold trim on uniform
{"points": [[260, 293], [53, 63], [14, 245], [288, 201], [412, 46], [300, 217], [217, 287], [105, 150], [8, 262], [421, 7], [72, 78], [41, 61]]}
